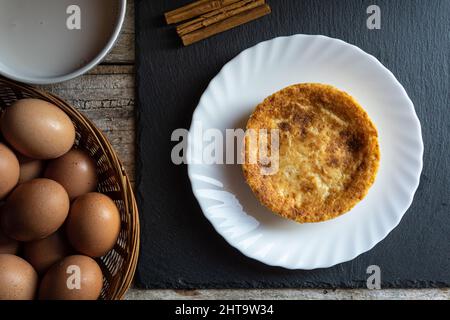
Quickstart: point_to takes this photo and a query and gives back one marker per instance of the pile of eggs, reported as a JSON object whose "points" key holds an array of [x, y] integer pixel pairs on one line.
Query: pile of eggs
{"points": [[52, 222]]}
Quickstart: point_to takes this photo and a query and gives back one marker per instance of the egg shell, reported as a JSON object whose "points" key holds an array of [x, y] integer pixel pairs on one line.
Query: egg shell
{"points": [[9, 170], [75, 277], [75, 171], [18, 279], [29, 168], [37, 129], [44, 253], [93, 224], [35, 210]]}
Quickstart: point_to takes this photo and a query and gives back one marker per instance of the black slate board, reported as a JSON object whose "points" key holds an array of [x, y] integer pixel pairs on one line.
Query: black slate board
{"points": [[180, 248]]}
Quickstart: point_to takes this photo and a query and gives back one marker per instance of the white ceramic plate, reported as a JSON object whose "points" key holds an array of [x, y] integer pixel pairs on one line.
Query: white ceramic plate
{"points": [[228, 202]]}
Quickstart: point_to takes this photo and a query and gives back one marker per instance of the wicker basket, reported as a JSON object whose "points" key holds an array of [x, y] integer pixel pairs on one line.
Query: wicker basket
{"points": [[119, 264]]}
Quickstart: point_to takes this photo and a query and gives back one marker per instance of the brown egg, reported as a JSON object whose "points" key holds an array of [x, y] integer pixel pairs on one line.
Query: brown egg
{"points": [[29, 168], [35, 210], [73, 278], [38, 129], [44, 253], [18, 280], [93, 224], [8, 245], [75, 171], [9, 170]]}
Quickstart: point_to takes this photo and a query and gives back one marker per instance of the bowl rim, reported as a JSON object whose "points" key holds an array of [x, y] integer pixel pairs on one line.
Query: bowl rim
{"points": [[85, 68]]}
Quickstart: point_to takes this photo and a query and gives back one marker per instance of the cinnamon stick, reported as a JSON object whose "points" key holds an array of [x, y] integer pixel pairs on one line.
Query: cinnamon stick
{"points": [[195, 9], [235, 5], [226, 24], [218, 15]]}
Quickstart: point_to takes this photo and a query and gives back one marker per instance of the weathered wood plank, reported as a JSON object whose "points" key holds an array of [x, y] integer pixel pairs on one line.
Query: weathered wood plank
{"points": [[123, 51], [291, 294]]}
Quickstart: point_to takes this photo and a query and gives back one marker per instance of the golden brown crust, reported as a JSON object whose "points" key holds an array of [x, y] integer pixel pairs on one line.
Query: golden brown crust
{"points": [[328, 153]]}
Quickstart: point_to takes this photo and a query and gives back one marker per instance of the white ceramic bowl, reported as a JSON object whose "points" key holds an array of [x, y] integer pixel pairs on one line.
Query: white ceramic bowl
{"points": [[229, 204], [40, 42]]}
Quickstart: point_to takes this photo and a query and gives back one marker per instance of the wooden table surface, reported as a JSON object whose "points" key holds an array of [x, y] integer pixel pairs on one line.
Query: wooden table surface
{"points": [[107, 96]]}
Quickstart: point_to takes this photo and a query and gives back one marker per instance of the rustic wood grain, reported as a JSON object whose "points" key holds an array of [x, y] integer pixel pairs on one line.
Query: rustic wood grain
{"points": [[291, 294], [106, 96], [123, 51]]}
